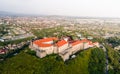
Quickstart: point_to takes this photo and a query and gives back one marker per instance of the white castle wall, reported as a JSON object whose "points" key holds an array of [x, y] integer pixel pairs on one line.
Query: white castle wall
{"points": [[65, 56], [48, 50], [55, 49], [68, 48], [40, 54], [62, 48], [86, 45], [81, 46]]}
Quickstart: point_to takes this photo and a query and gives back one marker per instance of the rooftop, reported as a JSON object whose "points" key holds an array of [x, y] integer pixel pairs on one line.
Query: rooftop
{"points": [[61, 43], [41, 42], [75, 42]]}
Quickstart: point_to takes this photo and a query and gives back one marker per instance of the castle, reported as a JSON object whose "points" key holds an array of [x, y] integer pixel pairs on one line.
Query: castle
{"points": [[64, 47]]}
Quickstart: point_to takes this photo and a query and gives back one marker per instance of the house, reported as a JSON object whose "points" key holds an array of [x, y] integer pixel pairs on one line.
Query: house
{"points": [[117, 48], [2, 51]]}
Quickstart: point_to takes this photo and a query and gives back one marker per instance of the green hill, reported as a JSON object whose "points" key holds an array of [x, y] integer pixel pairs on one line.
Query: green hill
{"points": [[86, 62]]}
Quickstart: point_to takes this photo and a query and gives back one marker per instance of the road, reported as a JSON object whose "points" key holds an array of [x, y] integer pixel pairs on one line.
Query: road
{"points": [[106, 58]]}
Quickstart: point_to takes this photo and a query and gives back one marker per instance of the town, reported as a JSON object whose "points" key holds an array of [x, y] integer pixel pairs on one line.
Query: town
{"points": [[59, 37], [60, 40], [16, 28]]}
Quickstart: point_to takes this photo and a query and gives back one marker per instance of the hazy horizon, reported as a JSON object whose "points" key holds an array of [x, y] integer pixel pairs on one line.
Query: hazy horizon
{"points": [[91, 8]]}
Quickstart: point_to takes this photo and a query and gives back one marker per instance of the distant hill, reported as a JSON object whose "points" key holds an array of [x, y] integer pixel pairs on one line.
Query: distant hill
{"points": [[4, 13]]}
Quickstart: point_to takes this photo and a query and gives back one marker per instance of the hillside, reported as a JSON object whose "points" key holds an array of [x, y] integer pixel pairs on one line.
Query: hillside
{"points": [[27, 63], [114, 61]]}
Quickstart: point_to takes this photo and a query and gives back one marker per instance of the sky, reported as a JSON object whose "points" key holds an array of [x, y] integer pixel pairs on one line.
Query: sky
{"points": [[91, 8]]}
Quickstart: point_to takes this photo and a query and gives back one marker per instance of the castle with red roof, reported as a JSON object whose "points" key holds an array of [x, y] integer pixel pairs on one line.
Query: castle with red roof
{"points": [[64, 47]]}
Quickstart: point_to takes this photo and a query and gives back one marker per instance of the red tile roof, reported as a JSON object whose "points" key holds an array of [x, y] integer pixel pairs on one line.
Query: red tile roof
{"points": [[44, 45], [48, 39], [41, 44], [76, 42], [85, 40], [90, 43], [61, 43]]}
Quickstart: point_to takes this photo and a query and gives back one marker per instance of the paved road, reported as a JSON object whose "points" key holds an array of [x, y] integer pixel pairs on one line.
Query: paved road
{"points": [[106, 58]]}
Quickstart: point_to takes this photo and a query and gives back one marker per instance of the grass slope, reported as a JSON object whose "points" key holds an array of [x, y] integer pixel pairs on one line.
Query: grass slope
{"points": [[26, 63]]}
